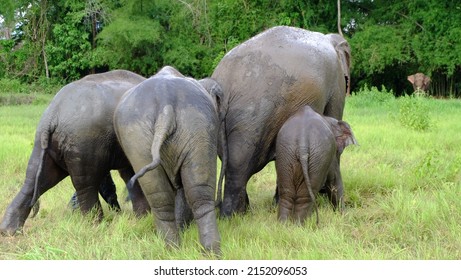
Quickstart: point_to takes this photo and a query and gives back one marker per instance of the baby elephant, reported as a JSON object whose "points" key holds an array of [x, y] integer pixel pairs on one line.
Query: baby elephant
{"points": [[308, 149]]}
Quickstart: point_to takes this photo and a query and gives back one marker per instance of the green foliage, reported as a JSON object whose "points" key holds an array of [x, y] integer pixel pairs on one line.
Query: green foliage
{"points": [[15, 92], [390, 39], [368, 97], [12, 86], [69, 52], [414, 113]]}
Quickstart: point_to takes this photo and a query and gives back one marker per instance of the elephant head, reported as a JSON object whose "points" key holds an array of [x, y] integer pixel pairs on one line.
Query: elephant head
{"points": [[419, 81], [343, 49], [343, 134], [334, 185]]}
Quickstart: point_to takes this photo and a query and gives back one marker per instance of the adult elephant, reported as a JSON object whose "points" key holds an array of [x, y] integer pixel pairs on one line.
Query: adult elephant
{"points": [[265, 80], [76, 137], [419, 81], [168, 127]]}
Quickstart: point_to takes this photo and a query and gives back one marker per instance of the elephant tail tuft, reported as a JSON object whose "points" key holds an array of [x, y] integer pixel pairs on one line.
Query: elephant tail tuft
{"points": [[143, 171]]}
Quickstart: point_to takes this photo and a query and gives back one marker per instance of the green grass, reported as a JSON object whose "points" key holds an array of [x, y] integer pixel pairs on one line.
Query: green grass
{"points": [[402, 188]]}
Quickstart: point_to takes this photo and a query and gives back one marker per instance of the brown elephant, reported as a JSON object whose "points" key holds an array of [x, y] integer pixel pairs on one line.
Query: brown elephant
{"points": [[419, 82]]}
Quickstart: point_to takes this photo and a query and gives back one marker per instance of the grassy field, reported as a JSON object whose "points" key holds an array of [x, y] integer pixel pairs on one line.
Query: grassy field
{"points": [[402, 188]]}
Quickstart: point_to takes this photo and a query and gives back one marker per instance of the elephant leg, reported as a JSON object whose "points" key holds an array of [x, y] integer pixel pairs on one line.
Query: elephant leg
{"points": [[19, 209], [238, 173], [334, 188], [199, 182], [161, 197], [86, 180], [303, 205], [183, 212], [138, 199], [286, 205], [109, 193]]}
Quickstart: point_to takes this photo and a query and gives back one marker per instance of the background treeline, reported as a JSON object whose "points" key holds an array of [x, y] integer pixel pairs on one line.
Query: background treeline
{"points": [[63, 40]]}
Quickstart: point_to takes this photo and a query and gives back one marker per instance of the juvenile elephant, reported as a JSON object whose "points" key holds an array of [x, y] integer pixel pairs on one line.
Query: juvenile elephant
{"points": [[168, 127], [265, 80], [308, 150], [419, 81], [76, 137]]}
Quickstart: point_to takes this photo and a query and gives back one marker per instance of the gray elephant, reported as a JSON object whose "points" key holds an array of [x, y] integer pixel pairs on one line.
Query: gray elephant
{"points": [[265, 80], [308, 150], [419, 82], [168, 127], [75, 137]]}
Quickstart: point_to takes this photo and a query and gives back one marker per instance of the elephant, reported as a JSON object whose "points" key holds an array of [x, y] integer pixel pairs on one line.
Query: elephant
{"points": [[75, 137], [419, 82], [168, 127], [265, 80], [308, 150]]}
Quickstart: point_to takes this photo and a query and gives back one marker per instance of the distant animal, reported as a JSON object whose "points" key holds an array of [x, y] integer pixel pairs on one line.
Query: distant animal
{"points": [[420, 82], [308, 151]]}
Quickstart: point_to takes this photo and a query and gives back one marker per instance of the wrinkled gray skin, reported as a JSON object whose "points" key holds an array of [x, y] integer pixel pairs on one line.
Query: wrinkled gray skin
{"points": [[308, 150], [75, 137], [419, 81], [265, 80], [343, 49], [168, 127]]}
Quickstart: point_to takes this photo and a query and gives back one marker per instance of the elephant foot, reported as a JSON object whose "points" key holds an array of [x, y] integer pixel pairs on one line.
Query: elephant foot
{"points": [[13, 222], [228, 210], [7, 229], [168, 231], [10, 232]]}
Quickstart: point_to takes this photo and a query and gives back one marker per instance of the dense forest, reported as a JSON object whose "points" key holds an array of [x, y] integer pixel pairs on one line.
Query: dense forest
{"points": [[63, 40]]}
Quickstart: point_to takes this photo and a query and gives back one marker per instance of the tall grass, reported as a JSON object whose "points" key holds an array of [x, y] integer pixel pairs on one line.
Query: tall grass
{"points": [[402, 198]]}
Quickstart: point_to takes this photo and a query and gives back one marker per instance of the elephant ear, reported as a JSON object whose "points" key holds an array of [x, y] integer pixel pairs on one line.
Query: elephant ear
{"points": [[215, 90], [411, 79], [427, 80], [343, 50], [343, 134]]}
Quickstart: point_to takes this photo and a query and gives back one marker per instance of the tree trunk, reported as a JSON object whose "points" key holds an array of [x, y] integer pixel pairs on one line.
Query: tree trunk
{"points": [[339, 19]]}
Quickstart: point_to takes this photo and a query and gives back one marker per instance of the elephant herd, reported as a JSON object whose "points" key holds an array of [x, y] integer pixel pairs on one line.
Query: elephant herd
{"points": [[277, 96]]}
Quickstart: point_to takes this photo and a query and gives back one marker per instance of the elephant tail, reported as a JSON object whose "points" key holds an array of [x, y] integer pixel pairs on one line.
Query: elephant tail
{"points": [[44, 141], [222, 134], [304, 165], [164, 127]]}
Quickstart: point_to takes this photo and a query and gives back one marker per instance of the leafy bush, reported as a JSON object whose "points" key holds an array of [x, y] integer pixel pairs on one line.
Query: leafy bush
{"points": [[366, 97], [12, 86], [414, 113]]}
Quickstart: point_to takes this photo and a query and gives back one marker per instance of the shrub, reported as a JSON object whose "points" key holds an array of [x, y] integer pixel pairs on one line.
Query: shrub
{"points": [[12, 86], [414, 113], [366, 97]]}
